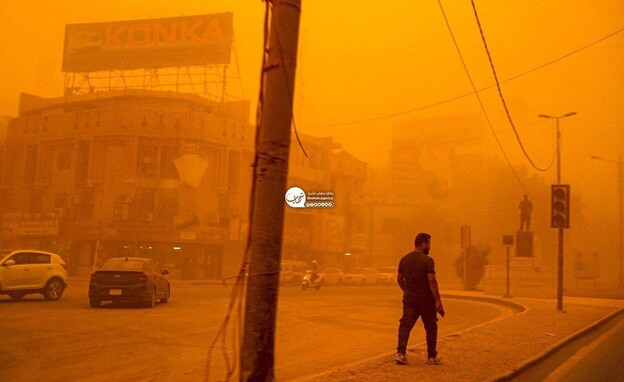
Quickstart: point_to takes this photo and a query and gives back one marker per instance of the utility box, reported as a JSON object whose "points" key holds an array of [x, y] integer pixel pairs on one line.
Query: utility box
{"points": [[524, 244]]}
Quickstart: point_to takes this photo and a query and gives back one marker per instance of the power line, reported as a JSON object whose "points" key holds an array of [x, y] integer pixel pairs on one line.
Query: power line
{"points": [[500, 94], [448, 100], [474, 88]]}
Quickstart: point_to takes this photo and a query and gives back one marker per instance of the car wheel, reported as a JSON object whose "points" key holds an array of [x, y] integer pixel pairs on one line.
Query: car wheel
{"points": [[339, 282], [167, 295], [152, 301], [94, 302], [17, 295], [53, 290]]}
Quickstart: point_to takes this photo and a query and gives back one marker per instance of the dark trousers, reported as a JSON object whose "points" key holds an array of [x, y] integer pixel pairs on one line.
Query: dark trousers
{"points": [[424, 308]]}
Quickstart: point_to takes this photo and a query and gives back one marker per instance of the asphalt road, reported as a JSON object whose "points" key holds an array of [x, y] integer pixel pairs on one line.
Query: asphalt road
{"points": [[316, 331], [596, 356]]}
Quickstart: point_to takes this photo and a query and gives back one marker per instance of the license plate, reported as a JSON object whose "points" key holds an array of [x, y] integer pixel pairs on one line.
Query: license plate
{"points": [[115, 292]]}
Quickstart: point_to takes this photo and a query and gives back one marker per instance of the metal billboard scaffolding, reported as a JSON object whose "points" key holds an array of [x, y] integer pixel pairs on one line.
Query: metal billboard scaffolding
{"points": [[210, 81], [189, 54]]}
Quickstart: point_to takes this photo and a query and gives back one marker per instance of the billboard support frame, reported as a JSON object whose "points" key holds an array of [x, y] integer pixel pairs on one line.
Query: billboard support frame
{"points": [[209, 81]]}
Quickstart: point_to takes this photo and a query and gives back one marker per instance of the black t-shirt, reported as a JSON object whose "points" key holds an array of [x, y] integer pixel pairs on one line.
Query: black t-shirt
{"points": [[415, 266]]}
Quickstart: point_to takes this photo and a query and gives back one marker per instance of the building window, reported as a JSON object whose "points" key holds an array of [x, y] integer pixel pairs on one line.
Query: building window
{"points": [[167, 167], [167, 204], [145, 205], [30, 166], [148, 161], [87, 200], [233, 170], [123, 209], [14, 159], [82, 162], [64, 160]]}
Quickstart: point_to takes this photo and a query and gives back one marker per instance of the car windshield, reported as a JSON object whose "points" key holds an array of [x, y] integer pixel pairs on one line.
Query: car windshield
{"points": [[128, 264], [4, 253]]}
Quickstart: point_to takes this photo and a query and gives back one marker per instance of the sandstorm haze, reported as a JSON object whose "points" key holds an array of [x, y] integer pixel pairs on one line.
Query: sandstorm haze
{"points": [[372, 71]]}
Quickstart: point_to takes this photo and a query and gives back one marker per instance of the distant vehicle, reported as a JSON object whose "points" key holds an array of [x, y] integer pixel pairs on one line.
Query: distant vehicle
{"points": [[291, 272], [387, 275], [308, 281], [129, 279], [362, 276], [332, 275], [25, 272]]}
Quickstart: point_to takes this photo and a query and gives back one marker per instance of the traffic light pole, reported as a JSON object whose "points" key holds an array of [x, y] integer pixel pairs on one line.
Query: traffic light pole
{"points": [[560, 241], [560, 272], [560, 246]]}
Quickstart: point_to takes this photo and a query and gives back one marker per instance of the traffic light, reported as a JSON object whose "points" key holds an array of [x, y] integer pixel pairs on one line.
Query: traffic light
{"points": [[560, 206]]}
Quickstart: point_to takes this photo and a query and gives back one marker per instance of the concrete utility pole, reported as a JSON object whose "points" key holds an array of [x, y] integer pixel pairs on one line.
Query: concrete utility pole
{"points": [[271, 172]]}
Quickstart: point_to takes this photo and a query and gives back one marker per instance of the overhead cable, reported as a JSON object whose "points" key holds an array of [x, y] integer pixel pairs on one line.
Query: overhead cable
{"points": [[476, 93], [448, 100], [502, 98]]}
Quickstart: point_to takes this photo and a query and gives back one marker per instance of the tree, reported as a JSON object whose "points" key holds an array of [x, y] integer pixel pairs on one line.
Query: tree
{"points": [[477, 260]]}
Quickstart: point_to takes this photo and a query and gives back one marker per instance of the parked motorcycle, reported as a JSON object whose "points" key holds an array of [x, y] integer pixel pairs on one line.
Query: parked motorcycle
{"points": [[312, 280]]}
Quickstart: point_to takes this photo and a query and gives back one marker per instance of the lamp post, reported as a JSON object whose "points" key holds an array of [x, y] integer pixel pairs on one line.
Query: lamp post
{"points": [[560, 246], [620, 192]]}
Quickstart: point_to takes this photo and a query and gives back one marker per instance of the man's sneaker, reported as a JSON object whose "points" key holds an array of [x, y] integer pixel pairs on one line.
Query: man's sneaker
{"points": [[401, 359], [434, 361]]}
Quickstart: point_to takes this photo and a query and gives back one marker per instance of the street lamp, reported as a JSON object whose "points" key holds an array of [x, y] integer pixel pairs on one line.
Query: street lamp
{"points": [[558, 138], [620, 191], [560, 246]]}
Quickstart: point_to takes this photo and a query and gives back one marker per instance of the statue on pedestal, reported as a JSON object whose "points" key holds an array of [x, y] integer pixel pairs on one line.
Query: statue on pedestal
{"points": [[526, 206]]}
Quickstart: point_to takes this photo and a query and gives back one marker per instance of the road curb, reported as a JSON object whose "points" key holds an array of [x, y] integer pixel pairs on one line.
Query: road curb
{"points": [[526, 364], [517, 307]]}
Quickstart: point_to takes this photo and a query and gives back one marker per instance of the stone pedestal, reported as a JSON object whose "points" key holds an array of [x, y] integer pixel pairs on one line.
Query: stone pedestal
{"points": [[524, 244]]}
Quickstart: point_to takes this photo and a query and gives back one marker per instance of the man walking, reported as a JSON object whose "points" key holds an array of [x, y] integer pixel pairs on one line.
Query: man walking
{"points": [[421, 298]]}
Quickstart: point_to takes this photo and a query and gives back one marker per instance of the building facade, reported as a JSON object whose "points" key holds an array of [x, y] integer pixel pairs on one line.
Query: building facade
{"points": [[333, 236], [129, 173], [162, 175]]}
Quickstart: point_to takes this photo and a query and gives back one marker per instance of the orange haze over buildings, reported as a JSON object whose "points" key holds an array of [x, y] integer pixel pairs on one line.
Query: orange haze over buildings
{"points": [[372, 72]]}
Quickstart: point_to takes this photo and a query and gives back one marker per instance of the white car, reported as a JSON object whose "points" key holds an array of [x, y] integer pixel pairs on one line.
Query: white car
{"points": [[388, 275], [332, 275], [25, 272], [362, 276]]}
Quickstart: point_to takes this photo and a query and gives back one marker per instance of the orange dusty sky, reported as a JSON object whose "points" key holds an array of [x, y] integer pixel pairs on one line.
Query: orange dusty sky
{"points": [[366, 66]]}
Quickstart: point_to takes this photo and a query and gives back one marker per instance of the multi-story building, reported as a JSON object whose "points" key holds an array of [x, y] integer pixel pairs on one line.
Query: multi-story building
{"points": [[327, 234], [129, 173], [162, 175]]}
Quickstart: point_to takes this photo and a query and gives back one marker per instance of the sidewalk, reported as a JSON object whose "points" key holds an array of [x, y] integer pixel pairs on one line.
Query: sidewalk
{"points": [[492, 351]]}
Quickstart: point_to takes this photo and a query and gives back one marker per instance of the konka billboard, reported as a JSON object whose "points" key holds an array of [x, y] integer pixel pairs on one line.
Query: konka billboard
{"points": [[154, 43]]}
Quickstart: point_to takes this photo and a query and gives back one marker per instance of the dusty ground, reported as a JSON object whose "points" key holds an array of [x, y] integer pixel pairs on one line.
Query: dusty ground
{"points": [[482, 352]]}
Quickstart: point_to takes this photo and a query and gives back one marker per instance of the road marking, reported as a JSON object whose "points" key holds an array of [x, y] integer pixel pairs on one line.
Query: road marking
{"points": [[557, 374]]}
